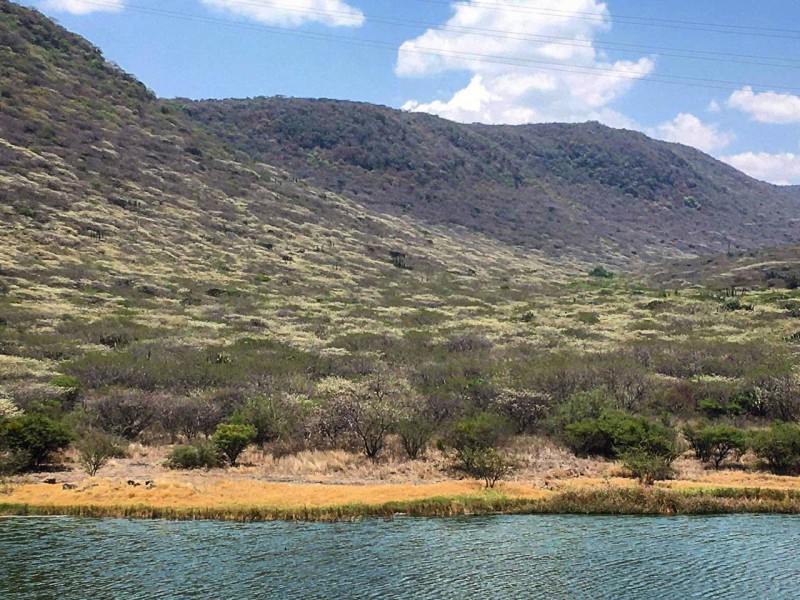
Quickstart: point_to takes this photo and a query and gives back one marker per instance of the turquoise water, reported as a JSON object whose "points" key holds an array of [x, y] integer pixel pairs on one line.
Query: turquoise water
{"points": [[594, 558]]}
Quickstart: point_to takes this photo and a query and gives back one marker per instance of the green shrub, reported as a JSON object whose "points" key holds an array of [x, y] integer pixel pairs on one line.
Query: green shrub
{"points": [[36, 436], [615, 433], [779, 447], [714, 408], [472, 436], [716, 443], [231, 439], [736, 304], [646, 466], [197, 455], [268, 416], [600, 271], [491, 466]]}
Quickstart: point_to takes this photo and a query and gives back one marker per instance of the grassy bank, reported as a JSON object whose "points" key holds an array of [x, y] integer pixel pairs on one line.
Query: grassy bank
{"points": [[611, 501]]}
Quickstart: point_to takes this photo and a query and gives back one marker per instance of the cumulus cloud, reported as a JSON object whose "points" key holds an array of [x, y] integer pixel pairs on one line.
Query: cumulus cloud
{"points": [[782, 168], [334, 13], [83, 7], [522, 76], [767, 107], [688, 129]]}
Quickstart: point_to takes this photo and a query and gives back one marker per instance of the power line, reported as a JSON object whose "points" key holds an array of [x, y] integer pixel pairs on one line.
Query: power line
{"points": [[794, 34], [476, 57], [549, 39]]}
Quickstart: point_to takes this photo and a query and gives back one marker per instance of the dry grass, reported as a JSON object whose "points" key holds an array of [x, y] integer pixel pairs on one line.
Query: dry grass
{"points": [[218, 492], [312, 484]]}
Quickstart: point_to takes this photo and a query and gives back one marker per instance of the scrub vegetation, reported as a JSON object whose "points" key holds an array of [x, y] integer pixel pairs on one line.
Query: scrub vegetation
{"points": [[163, 288]]}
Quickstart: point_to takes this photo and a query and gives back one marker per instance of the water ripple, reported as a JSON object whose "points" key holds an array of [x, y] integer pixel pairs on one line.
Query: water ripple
{"points": [[553, 557]]}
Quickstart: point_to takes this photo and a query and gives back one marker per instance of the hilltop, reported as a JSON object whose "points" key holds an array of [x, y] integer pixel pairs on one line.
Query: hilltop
{"points": [[581, 190]]}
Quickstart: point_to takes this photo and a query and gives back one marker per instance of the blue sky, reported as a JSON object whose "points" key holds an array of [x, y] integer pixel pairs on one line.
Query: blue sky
{"points": [[721, 76]]}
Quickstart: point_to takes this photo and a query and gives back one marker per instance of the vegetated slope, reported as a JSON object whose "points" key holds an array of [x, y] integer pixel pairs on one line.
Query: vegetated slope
{"points": [[768, 267], [148, 273], [568, 189], [122, 221]]}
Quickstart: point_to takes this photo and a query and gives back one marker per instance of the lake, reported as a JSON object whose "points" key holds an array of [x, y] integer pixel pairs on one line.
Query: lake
{"points": [[739, 556]]}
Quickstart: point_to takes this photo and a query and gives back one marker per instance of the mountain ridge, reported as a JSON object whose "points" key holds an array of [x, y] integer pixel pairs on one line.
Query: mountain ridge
{"points": [[538, 186]]}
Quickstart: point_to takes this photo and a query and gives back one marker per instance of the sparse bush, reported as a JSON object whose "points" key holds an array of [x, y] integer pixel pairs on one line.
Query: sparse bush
{"points": [[197, 455], [95, 449], [367, 410], [231, 439], [8, 410], [524, 408], [779, 447], [124, 413], [69, 387]]}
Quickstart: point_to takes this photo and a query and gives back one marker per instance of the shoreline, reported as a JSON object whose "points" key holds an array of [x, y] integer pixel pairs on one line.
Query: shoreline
{"points": [[616, 500]]}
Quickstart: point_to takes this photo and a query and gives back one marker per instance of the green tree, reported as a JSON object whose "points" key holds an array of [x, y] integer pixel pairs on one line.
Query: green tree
{"points": [[779, 447], [232, 439], [716, 443], [39, 437]]}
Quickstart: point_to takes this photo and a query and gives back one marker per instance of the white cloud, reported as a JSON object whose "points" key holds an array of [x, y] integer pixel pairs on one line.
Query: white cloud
{"points": [[334, 13], [83, 7], [523, 80], [767, 107], [714, 107], [688, 129], [782, 169]]}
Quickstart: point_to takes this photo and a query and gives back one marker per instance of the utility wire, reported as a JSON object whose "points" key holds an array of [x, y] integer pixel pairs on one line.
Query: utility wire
{"points": [[631, 19], [549, 39], [477, 57]]}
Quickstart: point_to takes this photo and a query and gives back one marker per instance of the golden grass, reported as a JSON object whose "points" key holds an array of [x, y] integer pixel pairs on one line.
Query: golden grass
{"points": [[631, 500], [219, 493]]}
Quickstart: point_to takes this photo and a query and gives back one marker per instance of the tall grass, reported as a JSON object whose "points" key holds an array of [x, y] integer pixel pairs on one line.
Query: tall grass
{"points": [[614, 501]]}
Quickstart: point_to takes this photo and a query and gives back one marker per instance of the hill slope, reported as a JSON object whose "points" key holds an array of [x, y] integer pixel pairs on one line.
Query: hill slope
{"points": [[584, 189], [123, 221], [148, 268]]}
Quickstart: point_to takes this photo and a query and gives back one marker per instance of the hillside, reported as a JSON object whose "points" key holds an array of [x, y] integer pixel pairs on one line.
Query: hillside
{"points": [[167, 277], [124, 223], [767, 267], [580, 190]]}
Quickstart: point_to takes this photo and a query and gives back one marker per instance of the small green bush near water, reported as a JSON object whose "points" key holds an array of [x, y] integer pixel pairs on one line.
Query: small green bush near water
{"points": [[779, 448], [645, 447], [231, 439], [35, 437], [471, 437], [197, 455], [716, 443]]}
